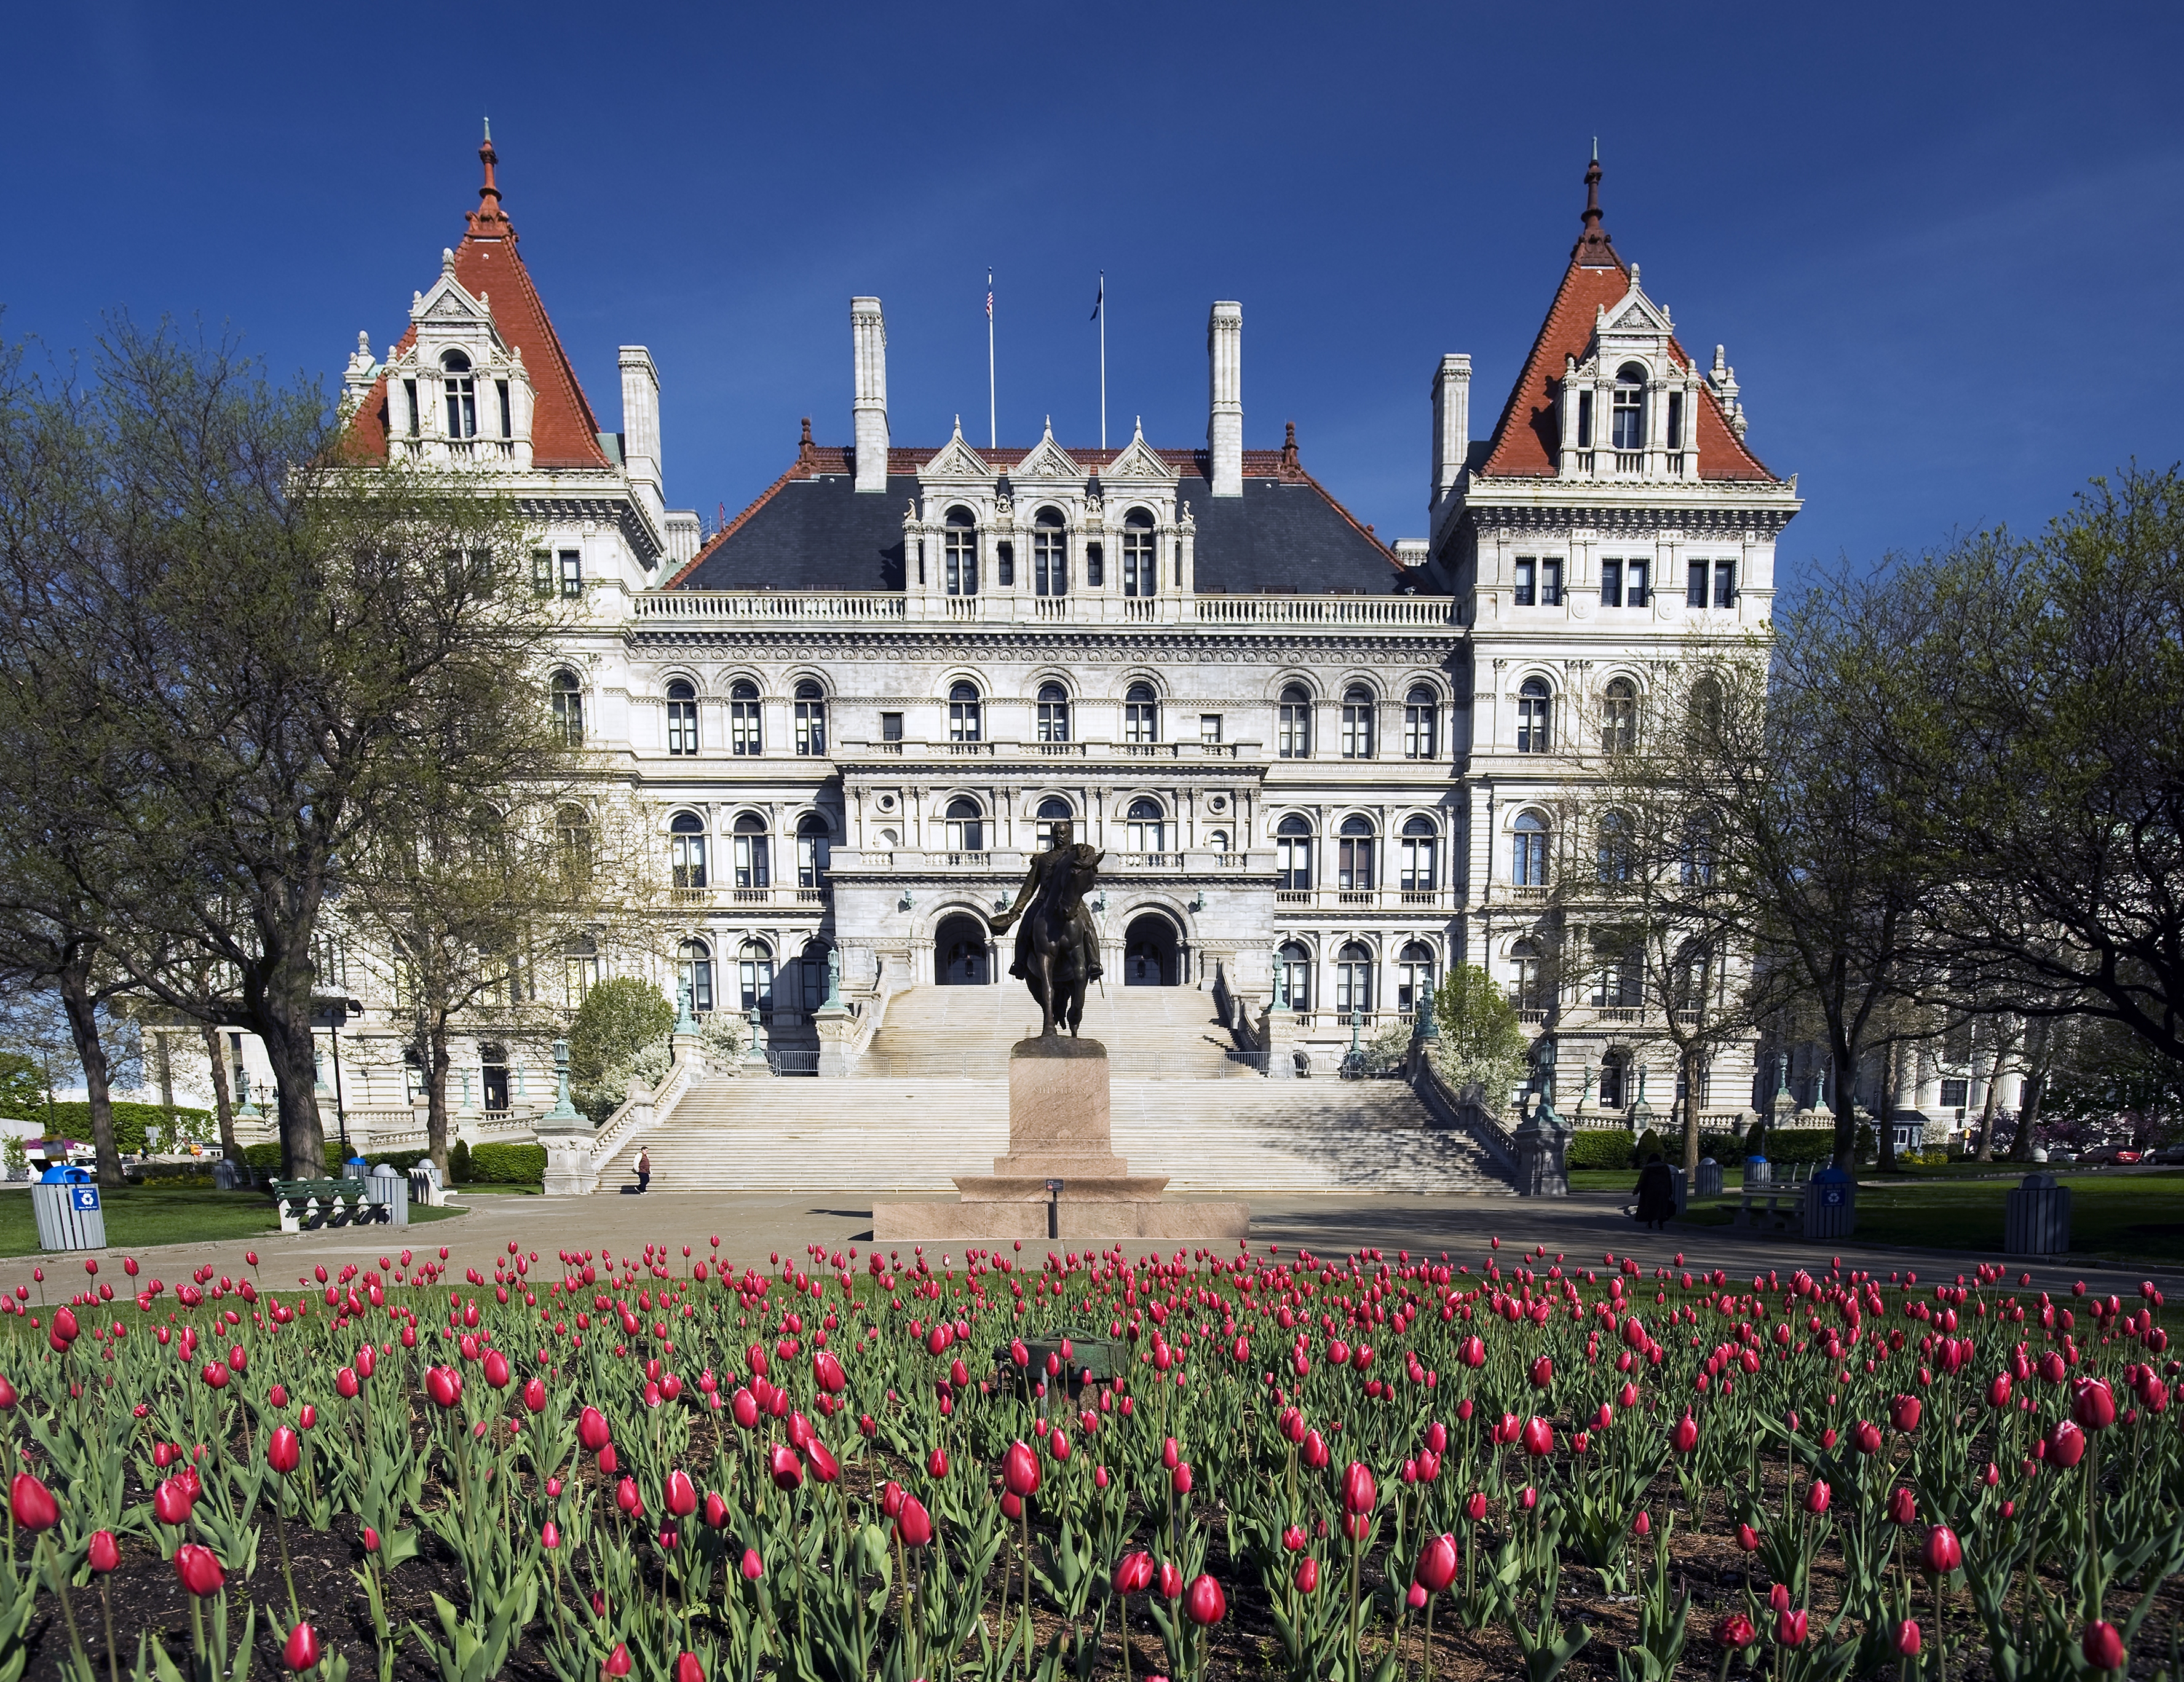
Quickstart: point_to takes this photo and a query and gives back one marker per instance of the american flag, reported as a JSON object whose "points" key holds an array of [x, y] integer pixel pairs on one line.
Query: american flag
{"points": [[989, 294]]}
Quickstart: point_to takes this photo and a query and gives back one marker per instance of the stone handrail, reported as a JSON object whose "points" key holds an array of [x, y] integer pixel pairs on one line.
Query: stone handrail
{"points": [[641, 1111], [1461, 1113], [1424, 612]]}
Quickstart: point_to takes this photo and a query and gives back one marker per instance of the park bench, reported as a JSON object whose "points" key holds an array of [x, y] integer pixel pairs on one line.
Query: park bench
{"points": [[1784, 1211], [306, 1205]]}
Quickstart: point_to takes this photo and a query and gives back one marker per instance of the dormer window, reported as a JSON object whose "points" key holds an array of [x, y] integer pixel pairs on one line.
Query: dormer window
{"points": [[1050, 555], [462, 395], [1140, 562], [1675, 419], [962, 552], [1629, 407]]}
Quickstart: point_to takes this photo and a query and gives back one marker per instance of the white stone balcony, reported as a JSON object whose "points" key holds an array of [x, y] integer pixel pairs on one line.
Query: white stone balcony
{"points": [[664, 608]]}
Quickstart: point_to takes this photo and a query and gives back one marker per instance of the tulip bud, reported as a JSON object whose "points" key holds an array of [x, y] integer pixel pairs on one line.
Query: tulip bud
{"points": [[105, 1555], [300, 1652], [32, 1503], [199, 1570], [2103, 1646]]}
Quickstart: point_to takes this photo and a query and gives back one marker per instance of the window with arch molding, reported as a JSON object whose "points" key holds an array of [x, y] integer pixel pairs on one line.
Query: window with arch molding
{"points": [[1293, 723], [811, 719], [686, 850], [1421, 855], [1053, 713], [1052, 811], [1618, 716], [1616, 856], [1528, 860], [694, 970], [566, 699], [462, 394], [1421, 724], [1293, 854], [1414, 979], [1353, 855], [1140, 554], [1697, 852], [1293, 975], [1050, 555], [1217, 839], [966, 715], [753, 852], [1614, 1079], [682, 717], [580, 968], [815, 842], [1707, 712], [813, 965], [1630, 413], [1353, 978], [1146, 826], [1618, 973], [965, 826], [1140, 714], [746, 723], [1528, 990], [960, 548], [754, 971], [1535, 717], [1357, 709], [573, 836]]}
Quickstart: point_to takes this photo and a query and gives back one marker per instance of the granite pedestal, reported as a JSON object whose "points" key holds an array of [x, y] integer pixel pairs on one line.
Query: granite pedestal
{"points": [[1059, 1129]]}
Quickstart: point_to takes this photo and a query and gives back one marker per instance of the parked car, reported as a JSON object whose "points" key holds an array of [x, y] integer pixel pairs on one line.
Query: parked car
{"points": [[2057, 1153], [2169, 1153], [2120, 1155]]}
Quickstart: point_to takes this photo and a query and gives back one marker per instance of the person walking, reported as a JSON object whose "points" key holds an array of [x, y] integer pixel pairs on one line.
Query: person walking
{"points": [[644, 1170], [1657, 1193]]}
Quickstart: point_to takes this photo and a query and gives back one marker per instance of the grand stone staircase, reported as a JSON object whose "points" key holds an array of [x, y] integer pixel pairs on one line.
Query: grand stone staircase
{"points": [[929, 1100]]}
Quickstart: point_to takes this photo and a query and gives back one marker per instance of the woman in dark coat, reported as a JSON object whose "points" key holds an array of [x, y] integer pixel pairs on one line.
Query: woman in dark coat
{"points": [[1657, 1193]]}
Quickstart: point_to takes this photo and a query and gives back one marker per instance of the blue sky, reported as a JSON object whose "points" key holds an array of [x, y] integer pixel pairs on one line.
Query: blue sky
{"points": [[1941, 242]]}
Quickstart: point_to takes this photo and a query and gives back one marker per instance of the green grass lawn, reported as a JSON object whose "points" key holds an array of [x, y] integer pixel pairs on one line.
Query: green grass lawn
{"points": [[138, 1216]]}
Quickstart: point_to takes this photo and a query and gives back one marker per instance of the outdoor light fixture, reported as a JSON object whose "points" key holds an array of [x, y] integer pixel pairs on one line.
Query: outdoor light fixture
{"points": [[1054, 1209]]}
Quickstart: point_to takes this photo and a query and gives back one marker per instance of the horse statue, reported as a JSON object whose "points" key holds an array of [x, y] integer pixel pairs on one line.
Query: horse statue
{"points": [[1057, 952]]}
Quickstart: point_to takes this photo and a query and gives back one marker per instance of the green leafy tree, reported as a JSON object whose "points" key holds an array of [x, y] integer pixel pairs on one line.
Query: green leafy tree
{"points": [[1481, 1051], [23, 1093], [620, 1016]]}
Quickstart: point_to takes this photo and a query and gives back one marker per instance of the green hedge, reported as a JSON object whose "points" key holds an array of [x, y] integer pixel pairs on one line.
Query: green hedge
{"points": [[266, 1158], [72, 1120], [1601, 1147], [508, 1164]]}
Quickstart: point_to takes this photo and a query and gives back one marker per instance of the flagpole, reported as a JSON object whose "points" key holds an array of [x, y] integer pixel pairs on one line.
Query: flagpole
{"points": [[1103, 359], [993, 417]]}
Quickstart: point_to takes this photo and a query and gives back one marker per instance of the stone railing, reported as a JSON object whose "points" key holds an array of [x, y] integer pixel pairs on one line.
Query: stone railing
{"points": [[940, 752], [669, 607], [1461, 1113]]}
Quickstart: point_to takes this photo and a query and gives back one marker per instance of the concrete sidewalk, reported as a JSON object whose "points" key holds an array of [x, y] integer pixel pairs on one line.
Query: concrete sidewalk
{"points": [[752, 1227]]}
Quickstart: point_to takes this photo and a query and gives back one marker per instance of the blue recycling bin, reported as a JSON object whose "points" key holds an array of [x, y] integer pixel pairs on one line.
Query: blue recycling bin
{"points": [[1830, 1204], [70, 1216]]}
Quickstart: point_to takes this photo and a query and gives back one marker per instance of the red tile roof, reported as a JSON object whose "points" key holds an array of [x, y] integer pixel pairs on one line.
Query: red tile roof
{"points": [[564, 430], [1526, 438]]}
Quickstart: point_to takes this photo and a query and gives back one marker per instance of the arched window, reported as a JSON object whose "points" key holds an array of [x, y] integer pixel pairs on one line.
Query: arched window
{"points": [[1140, 555], [811, 718], [967, 826], [682, 717], [1535, 717], [1293, 976], [1358, 707], [1050, 555], [1527, 859], [961, 543], [1414, 979], [1421, 724], [1353, 978], [1293, 731], [1053, 713], [462, 395], [1698, 850], [1629, 407], [1148, 826], [1293, 854], [1618, 716], [754, 971], [1217, 839], [580, 968], [695, 971], [1618, 961], [1614, 1079], [1421, 855], [1140, 714], [746, 730], [1616, 853], [1707, 713], [1052, 810], [1527, 990], [813, 965], [753, 852], [572, 840], [568, 701], [686, 850], [1353, 865], [964, 713], [1691, 979], [814, 843]]}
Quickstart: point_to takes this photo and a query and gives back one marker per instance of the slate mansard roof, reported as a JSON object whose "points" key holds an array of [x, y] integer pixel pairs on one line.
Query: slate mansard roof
{"points": [[811, 530]]}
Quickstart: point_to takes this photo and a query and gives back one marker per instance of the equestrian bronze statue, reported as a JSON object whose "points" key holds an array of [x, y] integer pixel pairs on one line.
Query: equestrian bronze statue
{"points": [[1057, 948]]}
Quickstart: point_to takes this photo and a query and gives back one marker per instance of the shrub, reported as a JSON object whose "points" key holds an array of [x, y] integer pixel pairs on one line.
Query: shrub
{"points": [[1804, 1145], [618, 1018], [1649, 1142], [1755, 1140], [508, 1164], [600, 1099], [265, 1158], [72, 1120], [1482, 1047], [1725, 1148], [1599, 1148], [459, 1162]]}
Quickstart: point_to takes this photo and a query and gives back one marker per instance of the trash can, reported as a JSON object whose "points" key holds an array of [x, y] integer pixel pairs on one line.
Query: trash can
{"points": [[1830, 1204], [69, 1214], [227, 1176], [2036, 1218], [1757, 1172], [1707, 1181], [387, 1188], [424, 1185], [1679, 1191]]}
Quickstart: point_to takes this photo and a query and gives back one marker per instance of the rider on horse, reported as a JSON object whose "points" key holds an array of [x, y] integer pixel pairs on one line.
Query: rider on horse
{"points": [[1063, 855]]}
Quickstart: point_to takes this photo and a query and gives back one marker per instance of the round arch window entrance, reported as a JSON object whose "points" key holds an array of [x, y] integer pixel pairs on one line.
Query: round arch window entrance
{"points": [[1152, 953], [962, 952]]}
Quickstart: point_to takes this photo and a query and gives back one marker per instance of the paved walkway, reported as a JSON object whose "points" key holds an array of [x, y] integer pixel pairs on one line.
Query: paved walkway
{"points": [[752, 1227]]}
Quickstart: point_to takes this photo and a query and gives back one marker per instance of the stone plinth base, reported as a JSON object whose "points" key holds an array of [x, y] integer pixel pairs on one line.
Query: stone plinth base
{"points": [[1059, 1129]]}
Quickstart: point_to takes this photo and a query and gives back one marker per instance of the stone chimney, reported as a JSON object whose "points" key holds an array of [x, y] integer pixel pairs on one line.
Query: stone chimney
{"points": [[1451, 424], [640, 427], [1224, 426], [868, 340]]}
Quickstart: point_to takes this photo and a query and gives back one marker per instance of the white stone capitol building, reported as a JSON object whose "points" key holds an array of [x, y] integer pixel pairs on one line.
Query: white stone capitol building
{"points": [[856, 708]]}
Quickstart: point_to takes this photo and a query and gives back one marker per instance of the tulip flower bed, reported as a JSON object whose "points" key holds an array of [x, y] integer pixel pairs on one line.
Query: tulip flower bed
{"points": [[1070, 1466]]}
